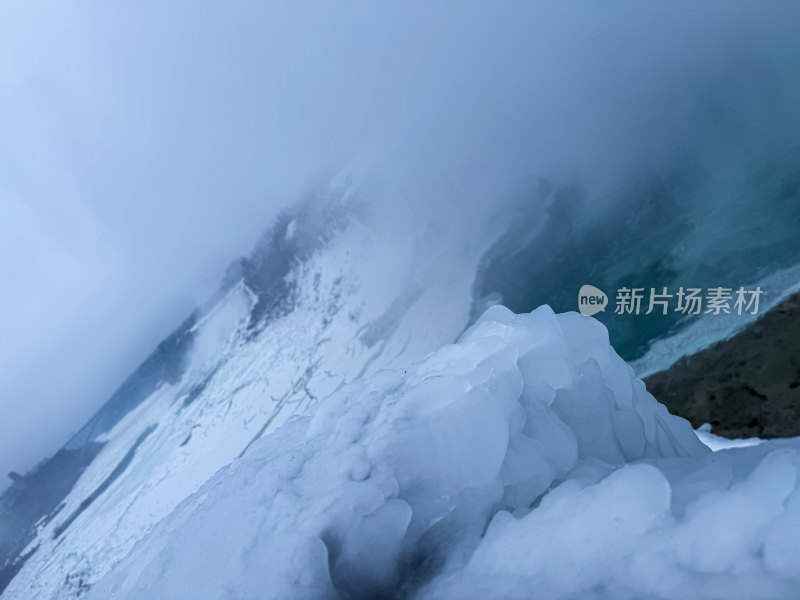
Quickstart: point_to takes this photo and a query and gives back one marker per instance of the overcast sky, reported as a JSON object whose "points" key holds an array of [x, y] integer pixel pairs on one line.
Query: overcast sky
{"points": [[144, 145]]}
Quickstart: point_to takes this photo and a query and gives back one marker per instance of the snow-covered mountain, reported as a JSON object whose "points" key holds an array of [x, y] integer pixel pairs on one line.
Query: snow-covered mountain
{"points": [[337, 290], [315, 306], [391, 260], [353, 413], [373, 271]]}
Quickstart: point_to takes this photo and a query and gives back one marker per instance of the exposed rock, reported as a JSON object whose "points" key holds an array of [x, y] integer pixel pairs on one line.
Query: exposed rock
{"points": [[745, 386]]}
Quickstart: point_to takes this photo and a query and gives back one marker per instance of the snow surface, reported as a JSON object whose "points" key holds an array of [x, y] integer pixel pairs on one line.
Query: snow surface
{"points": [[371, 299], [717, 442], [524, 461]]}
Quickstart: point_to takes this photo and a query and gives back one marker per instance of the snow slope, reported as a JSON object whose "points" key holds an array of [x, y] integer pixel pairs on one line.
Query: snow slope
{"points": [[337, 293], [339, 304], [526, 460]]}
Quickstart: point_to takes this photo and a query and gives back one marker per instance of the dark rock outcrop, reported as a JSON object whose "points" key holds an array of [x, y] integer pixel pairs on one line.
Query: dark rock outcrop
{"points": [[747, 385]]}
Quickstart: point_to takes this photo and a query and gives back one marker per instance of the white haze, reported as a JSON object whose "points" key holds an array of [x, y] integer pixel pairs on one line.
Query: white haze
{"points": [[143, 145]]}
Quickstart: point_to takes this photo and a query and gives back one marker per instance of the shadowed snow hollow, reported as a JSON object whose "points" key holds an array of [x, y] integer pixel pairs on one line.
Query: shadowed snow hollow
{"points": [[525, 460]]}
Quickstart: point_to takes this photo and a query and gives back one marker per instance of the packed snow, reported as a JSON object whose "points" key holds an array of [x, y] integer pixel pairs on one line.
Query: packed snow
{"points": [[526, 460], [717, 442]]}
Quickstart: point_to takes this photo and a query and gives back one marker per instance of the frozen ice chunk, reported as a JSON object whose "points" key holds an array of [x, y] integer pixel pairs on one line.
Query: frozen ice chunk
{"points": [[523, 461]]}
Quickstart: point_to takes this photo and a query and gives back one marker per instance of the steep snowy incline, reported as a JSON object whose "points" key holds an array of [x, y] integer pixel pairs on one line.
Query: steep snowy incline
{"points": [[364, 297], [524, 461]]}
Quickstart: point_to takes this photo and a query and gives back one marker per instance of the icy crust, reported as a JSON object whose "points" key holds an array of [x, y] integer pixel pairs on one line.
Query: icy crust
{"points": [[498, 467]]}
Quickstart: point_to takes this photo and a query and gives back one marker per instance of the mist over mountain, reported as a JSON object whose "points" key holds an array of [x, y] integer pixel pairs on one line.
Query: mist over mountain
{"points": [[146, 147], [215, 217]]}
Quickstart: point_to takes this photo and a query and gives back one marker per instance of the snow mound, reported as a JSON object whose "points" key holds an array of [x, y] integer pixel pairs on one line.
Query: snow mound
{"points": [[497, 467]]}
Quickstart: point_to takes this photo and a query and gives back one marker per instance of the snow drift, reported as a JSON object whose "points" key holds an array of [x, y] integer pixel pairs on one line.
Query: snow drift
{"points": [[525, 460]]}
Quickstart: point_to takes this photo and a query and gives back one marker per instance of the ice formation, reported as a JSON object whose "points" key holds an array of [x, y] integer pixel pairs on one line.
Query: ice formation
{"points": [[526, 460]]}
